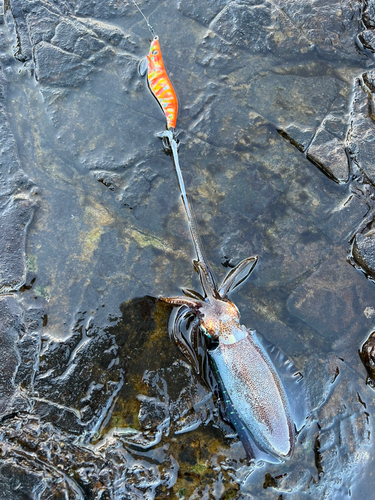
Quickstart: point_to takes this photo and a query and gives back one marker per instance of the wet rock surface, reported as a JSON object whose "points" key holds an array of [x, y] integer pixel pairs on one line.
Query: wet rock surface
{"points": [[367, 40], [364, 251], [328, 153], [367, 355], [96, 401]]}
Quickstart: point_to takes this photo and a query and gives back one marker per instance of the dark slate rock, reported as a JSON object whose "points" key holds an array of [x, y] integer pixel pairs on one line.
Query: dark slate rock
{"points": [[329, 299], [369, 80], [111, 34], [127, 69], [360, 141], [12, 179], [57, 414], [328, 153], [41, 25], [37, 458], [79, 378], [368, 16], [217, 55], [367, 355], [10, 332], [300, 138], [312, 202], [16, 482], [336, 124], [236, 202], [66, 34], [350, 213], [245, 26], [17, 11], [289, 93], [14, 220], [104, 10], [87, 45], [54, 66], [71, 36], [364, 251], [289, 233], [28, 345], [138, 188], [336, 419], [336, 121], [203, 12], [367, 40], [84, 38], [330, 25], [100, 58], [332, 130], [231, 119]]}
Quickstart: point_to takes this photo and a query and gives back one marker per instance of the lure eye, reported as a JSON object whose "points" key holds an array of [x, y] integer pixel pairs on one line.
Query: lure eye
{"points": [[155, 52]]}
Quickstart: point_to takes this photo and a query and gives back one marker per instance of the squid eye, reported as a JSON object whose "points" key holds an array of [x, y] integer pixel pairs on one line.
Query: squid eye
{"points": [[155, 52], [205, 332]]}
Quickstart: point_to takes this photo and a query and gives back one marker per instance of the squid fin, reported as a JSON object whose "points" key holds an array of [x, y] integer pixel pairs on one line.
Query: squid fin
{"points": [[252, 449], [292, 380]]}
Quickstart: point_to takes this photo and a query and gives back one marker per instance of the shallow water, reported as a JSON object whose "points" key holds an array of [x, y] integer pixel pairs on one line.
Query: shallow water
{"points": [[97, 401]]}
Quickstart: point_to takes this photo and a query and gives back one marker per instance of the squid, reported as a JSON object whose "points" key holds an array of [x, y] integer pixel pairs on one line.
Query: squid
{"points": [[262, 391]]}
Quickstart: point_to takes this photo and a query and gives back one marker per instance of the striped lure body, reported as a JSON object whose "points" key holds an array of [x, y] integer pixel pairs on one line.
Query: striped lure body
{"points": [[160, 84]]}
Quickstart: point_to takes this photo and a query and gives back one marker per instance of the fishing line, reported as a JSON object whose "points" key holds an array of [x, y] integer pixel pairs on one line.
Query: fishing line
{"points": [[151, 29], [162, 89], [190, 217]]}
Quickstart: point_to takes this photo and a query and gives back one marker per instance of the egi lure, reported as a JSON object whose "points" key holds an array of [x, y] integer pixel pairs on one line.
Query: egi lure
{"points": [[262, 391], [158, 80]]}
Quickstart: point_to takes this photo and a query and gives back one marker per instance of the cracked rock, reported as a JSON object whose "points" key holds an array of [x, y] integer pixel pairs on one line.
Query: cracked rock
{"points": [[369, 80], [10, 329], [367, 355], [328, 153], [54, 66], [360, 141], [367, 40], [72, 37], [14, 221], [364, 251], [244, 25]]}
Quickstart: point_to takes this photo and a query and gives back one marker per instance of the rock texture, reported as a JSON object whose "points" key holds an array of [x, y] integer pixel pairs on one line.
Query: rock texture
{"points": [[96, 402]]}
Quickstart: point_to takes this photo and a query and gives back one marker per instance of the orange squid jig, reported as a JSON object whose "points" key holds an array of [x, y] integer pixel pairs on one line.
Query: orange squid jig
{"points": [[160, 84], [158, 80]]}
